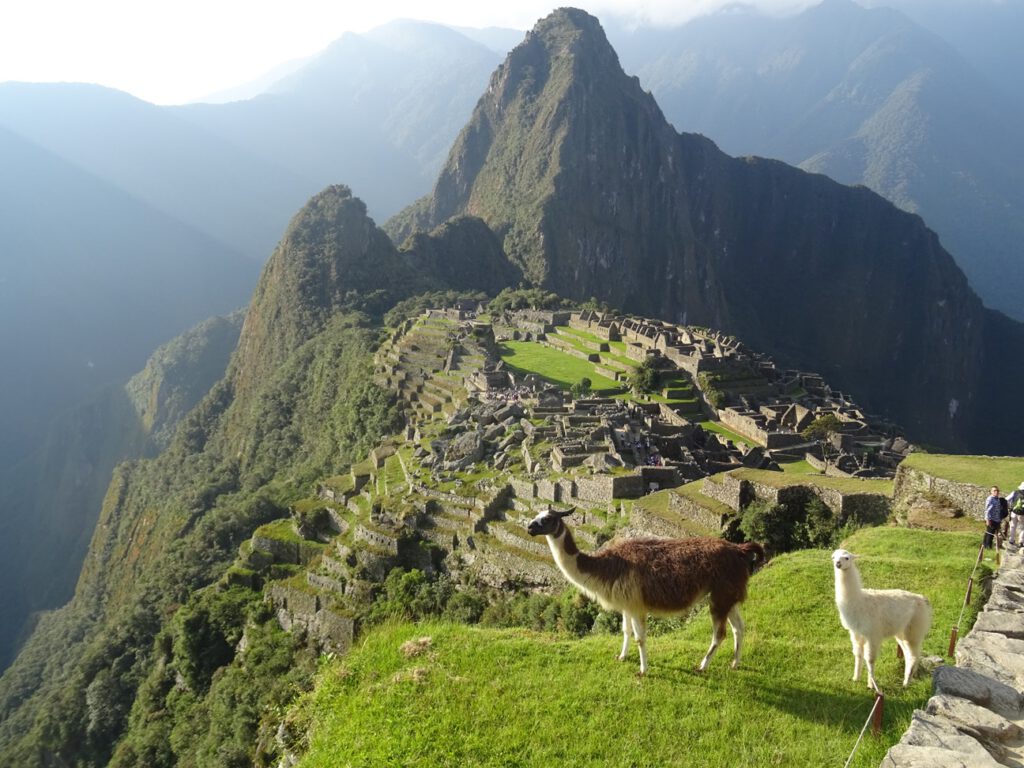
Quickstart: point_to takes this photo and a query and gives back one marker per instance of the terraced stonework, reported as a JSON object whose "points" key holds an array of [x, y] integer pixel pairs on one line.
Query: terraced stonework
{"points": [[975, 719]]}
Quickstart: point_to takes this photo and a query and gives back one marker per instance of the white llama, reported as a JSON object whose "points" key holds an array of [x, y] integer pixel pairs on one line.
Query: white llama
{"points": [[871, 615]]}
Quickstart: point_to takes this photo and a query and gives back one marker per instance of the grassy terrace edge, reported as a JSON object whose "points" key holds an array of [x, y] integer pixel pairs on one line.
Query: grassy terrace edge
{"points": [[477, 696], [1005, 471]]}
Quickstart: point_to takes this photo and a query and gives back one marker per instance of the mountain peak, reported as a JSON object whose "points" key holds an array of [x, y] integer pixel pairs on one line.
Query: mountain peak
{"points": [[330, 258], [568, 33]]}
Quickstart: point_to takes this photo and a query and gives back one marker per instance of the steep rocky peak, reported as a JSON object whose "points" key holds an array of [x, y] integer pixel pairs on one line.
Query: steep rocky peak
{"points": [[330, 256], [562, 46]]}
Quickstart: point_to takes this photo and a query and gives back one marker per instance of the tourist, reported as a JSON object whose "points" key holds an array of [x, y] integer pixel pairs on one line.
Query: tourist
{"points": [[993, 517], [1015, 501]]}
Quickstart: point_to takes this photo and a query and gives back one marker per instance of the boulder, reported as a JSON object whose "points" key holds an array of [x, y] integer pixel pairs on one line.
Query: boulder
{"points": [[464, 451], [975, 687]]}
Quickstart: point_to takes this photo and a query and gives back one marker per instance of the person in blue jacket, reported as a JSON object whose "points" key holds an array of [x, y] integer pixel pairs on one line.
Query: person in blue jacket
{"points": [[993, 516]]}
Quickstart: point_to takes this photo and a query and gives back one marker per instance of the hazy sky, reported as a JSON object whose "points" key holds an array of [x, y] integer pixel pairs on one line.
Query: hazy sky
{"points": [[172, 52]]}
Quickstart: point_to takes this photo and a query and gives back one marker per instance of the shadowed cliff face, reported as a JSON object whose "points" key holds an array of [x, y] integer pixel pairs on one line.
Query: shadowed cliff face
{"points": [[594, 194]]}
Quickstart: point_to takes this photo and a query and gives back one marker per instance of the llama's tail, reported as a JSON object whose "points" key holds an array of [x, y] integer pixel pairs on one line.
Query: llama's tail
{"points": [[920, 622], [755, 554]]}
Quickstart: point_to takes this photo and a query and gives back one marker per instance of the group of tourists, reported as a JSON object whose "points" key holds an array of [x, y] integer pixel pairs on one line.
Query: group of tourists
{"points": [[1005, 515]]}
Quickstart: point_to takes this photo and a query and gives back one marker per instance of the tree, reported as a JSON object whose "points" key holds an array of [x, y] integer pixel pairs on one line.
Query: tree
{"points": [[581, 388], [821, 430], [644, 377]]}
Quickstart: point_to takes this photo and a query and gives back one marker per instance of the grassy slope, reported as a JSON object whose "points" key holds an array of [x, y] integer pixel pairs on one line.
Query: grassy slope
{"points": [[485, 697], [554, 366], [1004, 471], [724, 431]]}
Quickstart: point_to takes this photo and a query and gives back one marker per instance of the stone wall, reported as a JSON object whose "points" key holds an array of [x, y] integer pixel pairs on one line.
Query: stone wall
{"points": [[745, 425], [968, 498], [691, 510], [595, 490], [796, 495], [297, 609], [546, 489], [523, 489], [376, 539], [975, 716], [726, 489]]}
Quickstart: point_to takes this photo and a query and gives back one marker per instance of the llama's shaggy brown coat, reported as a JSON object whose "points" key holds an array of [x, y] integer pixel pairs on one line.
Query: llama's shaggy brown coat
{"points": [[658, 576]]}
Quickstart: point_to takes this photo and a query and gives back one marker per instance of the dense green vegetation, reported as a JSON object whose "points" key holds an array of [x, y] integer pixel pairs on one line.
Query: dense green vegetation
{"points": [[469, 696], [311, 416]]}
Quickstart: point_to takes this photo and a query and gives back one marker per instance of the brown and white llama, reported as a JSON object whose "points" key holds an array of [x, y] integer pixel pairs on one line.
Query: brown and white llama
{"points": [[663, 577]]}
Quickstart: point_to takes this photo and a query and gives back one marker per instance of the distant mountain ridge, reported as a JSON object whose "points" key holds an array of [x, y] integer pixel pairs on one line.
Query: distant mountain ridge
{"points": [[864, 96], [594, 194]]}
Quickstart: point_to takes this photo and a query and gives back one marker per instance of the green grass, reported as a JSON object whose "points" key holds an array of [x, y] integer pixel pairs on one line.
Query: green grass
{"points": [[479, 697], [340, 483], [1005, 471], [281, 530], [718, 428], [593, 338], [799, 467], [841, 484], [393, 471], [554, 366]]}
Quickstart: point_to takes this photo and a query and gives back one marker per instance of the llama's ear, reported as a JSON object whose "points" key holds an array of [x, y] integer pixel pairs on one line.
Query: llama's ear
{"points": [[566, 513]]}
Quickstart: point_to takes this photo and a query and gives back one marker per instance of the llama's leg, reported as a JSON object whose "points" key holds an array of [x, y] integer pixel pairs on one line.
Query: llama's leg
{"points": [[870, 654], [717, 636], [910, 657], [640, 634], [911, 642], [736, 622], [625, 637], [858, 654]]}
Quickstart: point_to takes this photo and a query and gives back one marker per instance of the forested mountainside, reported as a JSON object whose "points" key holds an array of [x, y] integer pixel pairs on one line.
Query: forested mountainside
{"points": [[595, 194], [865, 96], [51, 497], [297, 403]]}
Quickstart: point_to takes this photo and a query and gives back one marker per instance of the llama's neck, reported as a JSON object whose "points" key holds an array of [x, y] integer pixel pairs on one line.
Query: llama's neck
{"points": [[566, 554], [848, 586]]}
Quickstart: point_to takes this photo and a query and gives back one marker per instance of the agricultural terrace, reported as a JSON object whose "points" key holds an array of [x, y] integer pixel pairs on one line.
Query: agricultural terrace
{"points": [[552, 365], [472, 696], [842, 484], [1005, 471]]}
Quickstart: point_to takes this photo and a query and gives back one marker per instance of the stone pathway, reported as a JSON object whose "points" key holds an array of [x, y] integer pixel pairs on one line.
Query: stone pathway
{"points": [[975, 719]]}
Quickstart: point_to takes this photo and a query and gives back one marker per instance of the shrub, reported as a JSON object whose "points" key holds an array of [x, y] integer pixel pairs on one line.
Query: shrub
{"points": [[771, 524], [644, 377], [785, 527], [465, 606], [581, 388]]}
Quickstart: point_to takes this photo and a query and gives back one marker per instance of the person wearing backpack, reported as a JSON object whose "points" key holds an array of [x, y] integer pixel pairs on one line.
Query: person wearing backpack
{"points": [[1015, 501], [993, 516]]}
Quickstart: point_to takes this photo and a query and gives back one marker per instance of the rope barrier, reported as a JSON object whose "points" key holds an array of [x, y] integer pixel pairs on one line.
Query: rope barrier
{"points": [[879, 698], [955, 632]]}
